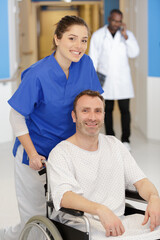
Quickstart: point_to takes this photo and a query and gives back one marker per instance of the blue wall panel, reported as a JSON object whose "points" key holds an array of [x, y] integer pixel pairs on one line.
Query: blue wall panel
{"points": [[154, 38], [108, 6], [4, 40]]}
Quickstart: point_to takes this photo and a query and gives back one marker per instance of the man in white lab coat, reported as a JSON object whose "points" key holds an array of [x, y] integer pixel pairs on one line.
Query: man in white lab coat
{"points": [[110, 48]]}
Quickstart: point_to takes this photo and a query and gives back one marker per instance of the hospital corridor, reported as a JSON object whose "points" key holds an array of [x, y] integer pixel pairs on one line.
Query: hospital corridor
{"points": [[27, 36]]}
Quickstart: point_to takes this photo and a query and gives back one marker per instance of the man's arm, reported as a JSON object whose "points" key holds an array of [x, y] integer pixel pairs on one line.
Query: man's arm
{"points": [[131, 42], [109, 220], [148, 192]]}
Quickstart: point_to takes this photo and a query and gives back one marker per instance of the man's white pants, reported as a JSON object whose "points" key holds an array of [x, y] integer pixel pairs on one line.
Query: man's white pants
{"points": [[30, 195]]}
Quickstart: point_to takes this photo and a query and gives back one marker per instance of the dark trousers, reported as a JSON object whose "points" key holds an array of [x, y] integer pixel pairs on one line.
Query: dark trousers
{"points": [[125, 118]]}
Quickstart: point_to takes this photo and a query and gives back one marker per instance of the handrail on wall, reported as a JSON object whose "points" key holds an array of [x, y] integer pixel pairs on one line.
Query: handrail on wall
{"points": [[14, 78]]}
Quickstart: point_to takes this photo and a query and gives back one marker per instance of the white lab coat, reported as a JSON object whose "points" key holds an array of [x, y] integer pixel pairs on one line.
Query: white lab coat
{"points": [[110, 57]]}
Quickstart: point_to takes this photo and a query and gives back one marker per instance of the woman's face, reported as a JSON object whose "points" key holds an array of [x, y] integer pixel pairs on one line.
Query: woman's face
{"points": [[73, 44]]}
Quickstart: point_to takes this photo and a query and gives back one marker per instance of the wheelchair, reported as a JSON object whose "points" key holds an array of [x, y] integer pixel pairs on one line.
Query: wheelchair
{"points": [[49, 229]]}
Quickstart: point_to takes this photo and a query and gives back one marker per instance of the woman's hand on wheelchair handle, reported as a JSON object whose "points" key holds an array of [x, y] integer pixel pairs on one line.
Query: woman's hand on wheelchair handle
{"points": [[36, 161]]}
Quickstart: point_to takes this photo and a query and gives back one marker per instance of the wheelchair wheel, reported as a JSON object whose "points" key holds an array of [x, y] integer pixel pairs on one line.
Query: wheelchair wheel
{"points": [[41, 228]]}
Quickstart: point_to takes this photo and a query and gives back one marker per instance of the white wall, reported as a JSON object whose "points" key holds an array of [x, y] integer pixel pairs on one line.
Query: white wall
{"points": [[13, 20], [142, 65], [153, 108], [5, 127], [136, 16], [145, 106], [7, 86]]}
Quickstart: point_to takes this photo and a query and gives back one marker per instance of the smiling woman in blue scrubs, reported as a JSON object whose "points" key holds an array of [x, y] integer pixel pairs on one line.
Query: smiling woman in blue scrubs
{"points": [[41, 111]]}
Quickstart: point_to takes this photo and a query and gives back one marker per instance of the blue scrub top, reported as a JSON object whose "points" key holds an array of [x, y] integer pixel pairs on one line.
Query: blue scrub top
{"points": [[45, 97]]}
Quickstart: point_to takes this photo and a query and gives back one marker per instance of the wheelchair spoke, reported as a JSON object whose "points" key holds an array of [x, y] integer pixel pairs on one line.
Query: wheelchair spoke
{"points": [[41, 228]]}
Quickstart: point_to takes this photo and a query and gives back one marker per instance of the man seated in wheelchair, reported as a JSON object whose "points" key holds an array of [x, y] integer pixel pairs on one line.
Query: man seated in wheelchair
{"points": [[90, 171]]}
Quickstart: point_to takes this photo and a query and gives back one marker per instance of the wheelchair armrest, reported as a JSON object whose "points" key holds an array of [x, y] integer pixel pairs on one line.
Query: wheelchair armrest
{"points": [[73, 212], [70, 211], [133, 195], [130, 209]]}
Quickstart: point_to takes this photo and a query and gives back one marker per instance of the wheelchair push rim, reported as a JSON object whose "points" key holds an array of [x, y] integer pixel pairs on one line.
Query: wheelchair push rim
{"points": [[45, 227]]}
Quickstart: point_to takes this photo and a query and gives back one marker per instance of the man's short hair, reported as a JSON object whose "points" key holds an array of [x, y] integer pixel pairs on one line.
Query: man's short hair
{"points": [[116, 11], [87, 93]]}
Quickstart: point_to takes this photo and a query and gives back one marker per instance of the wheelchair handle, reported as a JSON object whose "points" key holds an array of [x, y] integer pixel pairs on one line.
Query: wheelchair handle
{"points": [[43, 170]]}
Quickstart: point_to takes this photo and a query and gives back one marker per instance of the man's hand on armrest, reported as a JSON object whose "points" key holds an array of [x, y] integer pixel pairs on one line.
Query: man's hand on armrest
{"points": [[148, 192], [108, 219], [153, 212]]}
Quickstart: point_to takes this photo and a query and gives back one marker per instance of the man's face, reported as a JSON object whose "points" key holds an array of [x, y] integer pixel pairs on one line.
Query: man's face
{"points": [[115, 21], [89, 116]]}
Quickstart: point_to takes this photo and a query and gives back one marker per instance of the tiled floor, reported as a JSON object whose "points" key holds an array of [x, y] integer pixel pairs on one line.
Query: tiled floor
{"points": [[146, 153]]}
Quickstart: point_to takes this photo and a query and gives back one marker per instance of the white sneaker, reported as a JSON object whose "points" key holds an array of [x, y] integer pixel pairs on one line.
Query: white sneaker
{"points": [[2, 232], [127, 145]]}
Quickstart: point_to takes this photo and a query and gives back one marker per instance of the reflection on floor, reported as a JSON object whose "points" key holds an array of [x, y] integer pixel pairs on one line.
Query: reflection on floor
{"points": [[146, 153]]}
